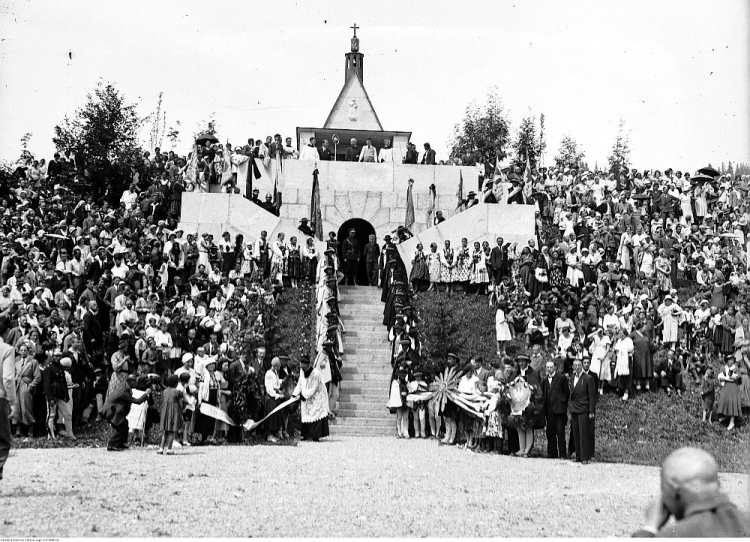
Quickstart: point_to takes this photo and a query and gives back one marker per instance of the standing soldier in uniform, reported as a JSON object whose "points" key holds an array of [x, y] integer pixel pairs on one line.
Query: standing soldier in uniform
{"points": [[372, 254], [351, 257]]}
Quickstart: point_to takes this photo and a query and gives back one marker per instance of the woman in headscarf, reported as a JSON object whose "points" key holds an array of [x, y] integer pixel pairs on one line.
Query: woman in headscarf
{"points": [[314, 407]]}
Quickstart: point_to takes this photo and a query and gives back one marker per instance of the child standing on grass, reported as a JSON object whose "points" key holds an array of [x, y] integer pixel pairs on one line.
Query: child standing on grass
{"points": [[171, 414], [708, 393]]}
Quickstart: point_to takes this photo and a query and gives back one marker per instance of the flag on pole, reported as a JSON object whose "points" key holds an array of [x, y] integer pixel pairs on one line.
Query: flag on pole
{"points": [[460, 192], [316, 218], [409, 220], [431, 208], [527, 180]]}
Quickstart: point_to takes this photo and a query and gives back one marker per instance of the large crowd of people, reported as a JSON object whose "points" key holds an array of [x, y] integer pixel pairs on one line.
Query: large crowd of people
{"points": [[104, 302], [636, 281]]}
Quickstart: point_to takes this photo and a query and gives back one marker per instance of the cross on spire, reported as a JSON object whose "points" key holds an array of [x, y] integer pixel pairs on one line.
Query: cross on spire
{"points": [[355, 29]]}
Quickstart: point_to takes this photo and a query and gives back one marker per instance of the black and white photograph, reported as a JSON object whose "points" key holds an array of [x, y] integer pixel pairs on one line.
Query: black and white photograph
{"points": [[374, 270]]}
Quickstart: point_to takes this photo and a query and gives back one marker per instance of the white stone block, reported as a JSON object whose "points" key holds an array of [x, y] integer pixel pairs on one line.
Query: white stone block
{"points": [[342, 204], [357, 201], [372, 205], [389, 199]]}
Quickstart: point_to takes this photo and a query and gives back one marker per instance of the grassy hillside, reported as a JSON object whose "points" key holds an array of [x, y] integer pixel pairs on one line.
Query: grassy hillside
{"points": [[643, 430]]}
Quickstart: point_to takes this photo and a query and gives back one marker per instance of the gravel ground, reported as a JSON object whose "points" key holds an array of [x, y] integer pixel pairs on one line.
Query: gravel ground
{"points": [[347, 486]]}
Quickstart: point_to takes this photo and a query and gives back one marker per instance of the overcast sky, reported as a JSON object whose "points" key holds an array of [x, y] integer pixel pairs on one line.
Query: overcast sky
{"points": [[677, 72]]}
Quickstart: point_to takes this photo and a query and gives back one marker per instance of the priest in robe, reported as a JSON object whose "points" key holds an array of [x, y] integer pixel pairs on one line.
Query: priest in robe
{"points": [[314, 407], [242, 163], [309, 151]]}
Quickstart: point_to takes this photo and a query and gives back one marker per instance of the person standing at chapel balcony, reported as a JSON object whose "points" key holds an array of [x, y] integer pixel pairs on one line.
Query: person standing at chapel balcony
{"points": [[369, 153], [428, 159], [352, 152]]}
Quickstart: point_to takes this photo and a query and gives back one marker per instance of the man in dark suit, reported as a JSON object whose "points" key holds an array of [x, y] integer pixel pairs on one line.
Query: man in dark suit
{"points": [[555, 394], [582, 409], [690, 493], [116, 409], [351, 257], [499, 261]]}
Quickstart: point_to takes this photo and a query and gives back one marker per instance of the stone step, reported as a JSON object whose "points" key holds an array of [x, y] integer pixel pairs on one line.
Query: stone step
{"points": [[359, 387], [353, 325], [368, 349], [381, 412], [373, 371], [364, 421], [378, 335], [363, 432], [382, 381], [348, 302], [363, 405], [364, 396]]}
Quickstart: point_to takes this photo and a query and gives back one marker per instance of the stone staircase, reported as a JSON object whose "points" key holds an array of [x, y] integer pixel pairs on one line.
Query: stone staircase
{"points": [[366, 370]]}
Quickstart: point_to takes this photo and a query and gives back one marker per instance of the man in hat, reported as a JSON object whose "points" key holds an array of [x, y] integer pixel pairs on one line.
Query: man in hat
{"points": [[116, 409], [555, 394], [55, 387], [690, 493], [8, 398], [372, 255], [304, 228], [351, 257]]}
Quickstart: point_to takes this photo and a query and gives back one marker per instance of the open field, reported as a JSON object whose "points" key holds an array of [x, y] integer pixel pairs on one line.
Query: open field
{"points": [[346, 486]]}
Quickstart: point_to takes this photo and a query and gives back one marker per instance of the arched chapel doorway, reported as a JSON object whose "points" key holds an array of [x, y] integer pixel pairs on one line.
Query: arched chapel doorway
{"points": [[364, 229]]}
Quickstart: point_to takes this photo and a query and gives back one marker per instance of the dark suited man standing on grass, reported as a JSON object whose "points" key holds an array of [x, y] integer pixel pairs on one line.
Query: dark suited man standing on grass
{"points": [[555, 394], [582, 408]]}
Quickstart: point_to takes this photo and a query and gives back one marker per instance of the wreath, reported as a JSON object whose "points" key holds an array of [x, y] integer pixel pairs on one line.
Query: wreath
{"points": [[249, 398], [531, 416]]}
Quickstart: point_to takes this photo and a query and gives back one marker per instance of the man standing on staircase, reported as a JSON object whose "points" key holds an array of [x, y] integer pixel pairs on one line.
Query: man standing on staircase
{"points": [[351, 257], [372, 254]]}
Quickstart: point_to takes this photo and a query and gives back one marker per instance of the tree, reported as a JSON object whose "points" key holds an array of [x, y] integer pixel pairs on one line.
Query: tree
{"points": [[542, 141], [730, 169], [103, 135], [27, 157], [484, 131], [158, 125], [527, 144], [620, 157], [569, 155], [173, 135]]}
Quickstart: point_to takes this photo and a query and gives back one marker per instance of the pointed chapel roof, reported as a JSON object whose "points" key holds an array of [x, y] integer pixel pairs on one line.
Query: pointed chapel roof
{"points": [[353, 109]]}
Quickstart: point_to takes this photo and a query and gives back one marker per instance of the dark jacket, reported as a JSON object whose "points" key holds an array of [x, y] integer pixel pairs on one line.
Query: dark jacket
{"points": [[715, 518], [54, 383], [582, 396], [117, 406], [555, 396]]}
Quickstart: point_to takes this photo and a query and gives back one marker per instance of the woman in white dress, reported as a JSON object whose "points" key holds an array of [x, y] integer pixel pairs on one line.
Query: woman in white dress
{"points": [[433, 266], [600, 345], [574, 273], [701, 206], [671, 316], [647, 261], [686, 208], [502, 329], [624, 362], [447, 261], [626, 246], [278, 257]]}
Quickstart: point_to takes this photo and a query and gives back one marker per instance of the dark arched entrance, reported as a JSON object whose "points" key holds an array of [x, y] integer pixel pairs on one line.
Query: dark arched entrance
{"points": [[364, 229]]}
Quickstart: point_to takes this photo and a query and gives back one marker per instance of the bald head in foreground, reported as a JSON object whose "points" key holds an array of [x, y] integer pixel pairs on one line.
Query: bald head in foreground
{"points": [[690, 493]]}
